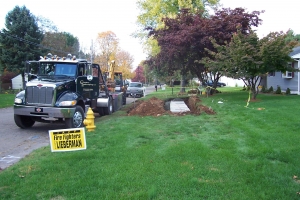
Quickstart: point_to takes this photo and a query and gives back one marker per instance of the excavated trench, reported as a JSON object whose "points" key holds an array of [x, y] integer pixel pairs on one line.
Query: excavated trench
{"points": [[157, 107]]}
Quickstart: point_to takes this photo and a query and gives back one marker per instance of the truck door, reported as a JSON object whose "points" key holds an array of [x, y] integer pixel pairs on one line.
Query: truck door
{"points": [[88, 84]]}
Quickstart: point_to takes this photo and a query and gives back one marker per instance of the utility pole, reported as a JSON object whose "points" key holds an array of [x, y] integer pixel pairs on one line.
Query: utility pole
{"points": [[138, 73]]}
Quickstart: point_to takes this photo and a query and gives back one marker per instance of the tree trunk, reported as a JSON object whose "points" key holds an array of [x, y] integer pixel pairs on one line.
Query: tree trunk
{"points": [[254, 92], [182, 84], [255, 82]]}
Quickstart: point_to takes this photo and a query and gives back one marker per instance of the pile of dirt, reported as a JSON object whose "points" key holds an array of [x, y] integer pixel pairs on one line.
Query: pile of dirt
{"points": [[157, 107]]}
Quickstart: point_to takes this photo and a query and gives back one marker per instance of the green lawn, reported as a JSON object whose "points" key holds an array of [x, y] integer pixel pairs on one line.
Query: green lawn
{"points": [[239, 153], [7, 100]]}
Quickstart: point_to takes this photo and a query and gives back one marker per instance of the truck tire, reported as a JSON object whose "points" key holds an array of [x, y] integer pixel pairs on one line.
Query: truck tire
{"points": [[23, 121], [100, 111], [108, 110], [77, 120]]}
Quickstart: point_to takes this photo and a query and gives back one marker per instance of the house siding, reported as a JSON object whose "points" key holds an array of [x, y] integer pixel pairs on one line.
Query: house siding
{"points": [[292, 83], [263, 81], [284, 83]]}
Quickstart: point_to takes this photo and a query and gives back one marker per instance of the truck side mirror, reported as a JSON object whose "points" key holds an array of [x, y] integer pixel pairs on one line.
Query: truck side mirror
{"points": [[31, 70], [89, 72]]}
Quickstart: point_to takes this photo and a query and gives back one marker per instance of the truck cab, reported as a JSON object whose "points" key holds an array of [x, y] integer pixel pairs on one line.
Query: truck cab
{"points": [[60, 90]]}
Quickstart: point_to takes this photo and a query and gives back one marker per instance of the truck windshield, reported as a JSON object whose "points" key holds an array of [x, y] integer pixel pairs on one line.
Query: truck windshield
{"points": [[67, 69]]}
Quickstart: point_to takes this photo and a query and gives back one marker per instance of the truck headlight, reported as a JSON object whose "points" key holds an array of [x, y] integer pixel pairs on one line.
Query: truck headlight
{"points": [[18, 101], [20, 97], [67, 103]]}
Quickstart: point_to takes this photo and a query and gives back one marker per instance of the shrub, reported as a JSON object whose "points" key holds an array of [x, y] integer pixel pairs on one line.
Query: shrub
{"points": [[7, 76], [193, 91], [271, 89], [278, 90], [288, 91], [263, 89]]}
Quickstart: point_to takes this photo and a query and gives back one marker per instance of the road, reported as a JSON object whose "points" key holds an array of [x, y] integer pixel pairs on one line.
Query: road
{"points": [[16, 143]]}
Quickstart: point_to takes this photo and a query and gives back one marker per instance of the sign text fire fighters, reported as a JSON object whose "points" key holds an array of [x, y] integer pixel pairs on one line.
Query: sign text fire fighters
{"points": [[67, 139]]}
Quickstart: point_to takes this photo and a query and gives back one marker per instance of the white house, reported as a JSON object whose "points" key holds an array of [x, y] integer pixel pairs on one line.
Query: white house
{"points": [[17, 82], [231, 82], [286, 80]]}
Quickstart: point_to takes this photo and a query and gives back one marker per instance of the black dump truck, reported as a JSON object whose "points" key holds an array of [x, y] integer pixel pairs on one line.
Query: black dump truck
{"points": [[61, 90]]}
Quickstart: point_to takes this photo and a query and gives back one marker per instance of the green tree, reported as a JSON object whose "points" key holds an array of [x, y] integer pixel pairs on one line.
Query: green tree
{"points": [[56, 42], [20, 40], [60, 43], [249, 58], [293, 38]]}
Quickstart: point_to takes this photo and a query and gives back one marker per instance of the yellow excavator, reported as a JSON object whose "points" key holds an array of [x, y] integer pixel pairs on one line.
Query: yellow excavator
{"points": [[111, 84], [114, 80]]}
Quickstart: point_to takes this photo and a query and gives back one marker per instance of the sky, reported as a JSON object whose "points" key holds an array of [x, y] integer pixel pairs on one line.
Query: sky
{"points": [[278, 15], [85, 19]]}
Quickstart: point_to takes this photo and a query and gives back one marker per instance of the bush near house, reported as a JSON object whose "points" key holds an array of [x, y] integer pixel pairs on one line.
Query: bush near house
{"points": [[6, 80], [271, 90], [6, 86], [263, 89], [278, 90]]}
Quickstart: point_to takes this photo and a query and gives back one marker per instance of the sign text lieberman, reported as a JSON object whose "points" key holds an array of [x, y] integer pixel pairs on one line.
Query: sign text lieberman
{"points": [[67, 139]]}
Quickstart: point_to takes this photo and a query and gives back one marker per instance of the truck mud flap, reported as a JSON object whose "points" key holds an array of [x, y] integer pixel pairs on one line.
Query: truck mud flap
{"points": [[117, 100]]}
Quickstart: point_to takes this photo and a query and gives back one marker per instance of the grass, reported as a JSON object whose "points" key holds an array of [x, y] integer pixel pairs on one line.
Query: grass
{"points": [[239, 153], [6, 100]]}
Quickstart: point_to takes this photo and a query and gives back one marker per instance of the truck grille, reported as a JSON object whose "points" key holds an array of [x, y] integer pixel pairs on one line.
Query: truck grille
{"points": [[39, 95]]}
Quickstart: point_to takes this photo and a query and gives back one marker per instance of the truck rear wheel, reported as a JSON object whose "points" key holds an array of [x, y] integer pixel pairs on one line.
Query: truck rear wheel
{"points": [[109, 110], [23, 121], [100, 111], [77, 120]]}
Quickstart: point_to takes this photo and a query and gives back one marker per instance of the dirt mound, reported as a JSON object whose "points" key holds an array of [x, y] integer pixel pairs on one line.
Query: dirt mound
{"points": [[157, 107], [151, 107]]}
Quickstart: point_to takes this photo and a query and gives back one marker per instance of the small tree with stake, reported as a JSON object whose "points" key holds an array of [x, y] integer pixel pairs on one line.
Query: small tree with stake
{"points": [[250, 59]]}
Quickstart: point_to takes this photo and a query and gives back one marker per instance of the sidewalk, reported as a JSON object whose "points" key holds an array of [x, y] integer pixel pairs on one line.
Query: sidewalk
{"points": [[178, 105]]}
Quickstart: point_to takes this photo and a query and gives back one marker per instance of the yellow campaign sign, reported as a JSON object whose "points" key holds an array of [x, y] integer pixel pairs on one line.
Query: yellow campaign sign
{"points": [[67, 139]]}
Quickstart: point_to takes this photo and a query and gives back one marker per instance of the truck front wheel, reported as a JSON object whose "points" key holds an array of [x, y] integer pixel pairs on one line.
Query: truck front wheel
{"points": [[77, 120], [23, 121]]}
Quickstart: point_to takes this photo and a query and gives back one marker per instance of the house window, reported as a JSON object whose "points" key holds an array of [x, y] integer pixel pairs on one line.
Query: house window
{"points": [[288, 74], [271, 73]]}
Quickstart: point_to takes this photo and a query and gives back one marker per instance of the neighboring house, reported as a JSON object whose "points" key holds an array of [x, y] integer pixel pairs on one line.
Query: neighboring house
{"points": [[17, 82], [286, 80], [232, 82], [228, 81]]}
